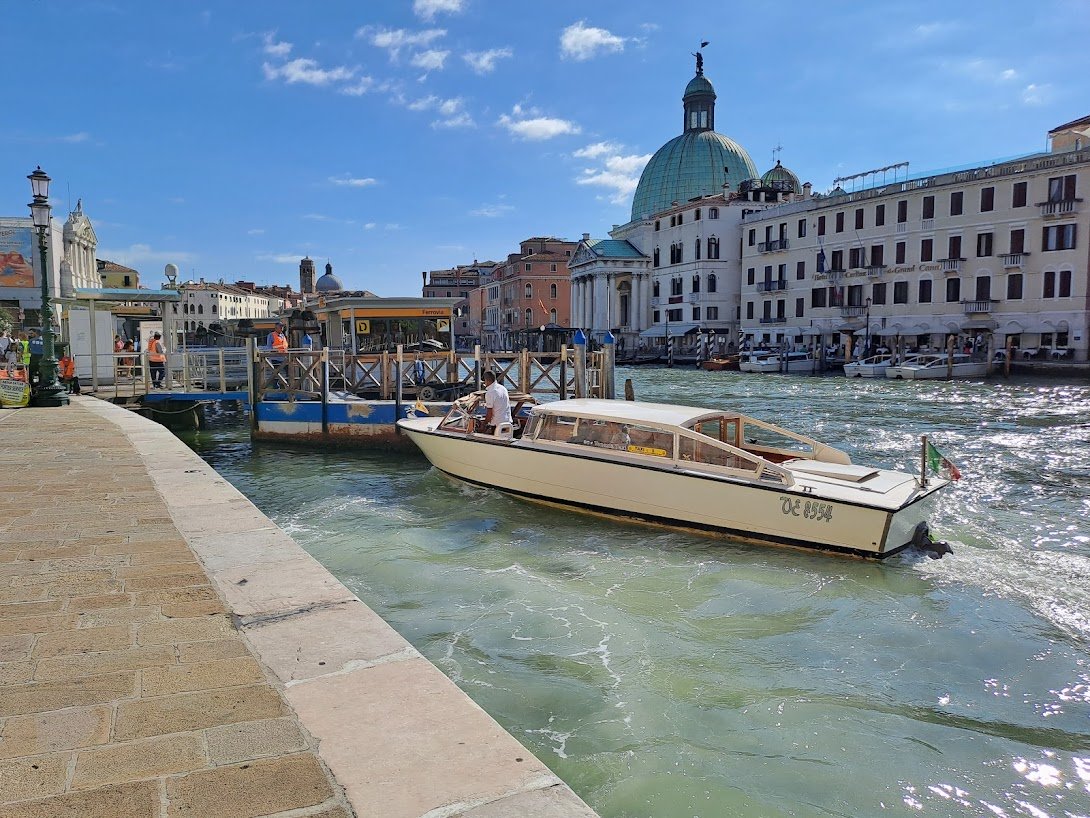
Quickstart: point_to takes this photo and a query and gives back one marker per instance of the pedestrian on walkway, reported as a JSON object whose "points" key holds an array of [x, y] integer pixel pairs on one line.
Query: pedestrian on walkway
{"points": [[157, 360]]}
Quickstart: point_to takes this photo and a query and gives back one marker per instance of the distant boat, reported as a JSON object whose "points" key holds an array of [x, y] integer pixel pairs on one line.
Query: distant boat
{"points": [[935, 367], [872, 367], [729, 362], [798, 362]]}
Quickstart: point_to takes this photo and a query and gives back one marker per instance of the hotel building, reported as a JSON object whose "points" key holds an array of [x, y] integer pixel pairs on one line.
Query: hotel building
{"points": [[997, 252]]}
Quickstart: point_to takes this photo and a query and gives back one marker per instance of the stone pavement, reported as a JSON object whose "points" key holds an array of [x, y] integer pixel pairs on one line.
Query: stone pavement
{"points": [[165, 650]]}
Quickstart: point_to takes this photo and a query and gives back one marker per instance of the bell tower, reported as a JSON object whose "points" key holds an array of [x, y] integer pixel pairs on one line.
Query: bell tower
{"points": [[306, 275]]}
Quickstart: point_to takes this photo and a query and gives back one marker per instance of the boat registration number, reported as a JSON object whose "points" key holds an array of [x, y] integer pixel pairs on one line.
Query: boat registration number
{"points": [[807, 509]]}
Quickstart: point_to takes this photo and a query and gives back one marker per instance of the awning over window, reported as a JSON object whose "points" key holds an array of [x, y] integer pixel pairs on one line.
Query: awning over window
{"points": [[676, 330], [979, 323]]}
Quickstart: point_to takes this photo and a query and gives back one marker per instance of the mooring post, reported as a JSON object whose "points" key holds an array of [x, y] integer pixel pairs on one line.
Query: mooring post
{"points": [[1010, 353], [580, 341], [397, 392], [629, 390], [607, 386], [252, 380], [477, 367], [950, 357], [563, 372], [325, 392]]}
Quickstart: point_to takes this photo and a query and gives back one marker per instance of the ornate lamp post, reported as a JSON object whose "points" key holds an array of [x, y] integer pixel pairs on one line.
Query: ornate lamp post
{"points": [[49, 393]]}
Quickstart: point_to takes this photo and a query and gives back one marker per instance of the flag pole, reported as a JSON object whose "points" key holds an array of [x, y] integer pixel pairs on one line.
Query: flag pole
{"points": [[923, 461]]}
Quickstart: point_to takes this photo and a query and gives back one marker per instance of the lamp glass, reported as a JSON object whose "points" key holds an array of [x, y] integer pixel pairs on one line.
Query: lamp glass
{"points": [[39, 183], [39, 213]]}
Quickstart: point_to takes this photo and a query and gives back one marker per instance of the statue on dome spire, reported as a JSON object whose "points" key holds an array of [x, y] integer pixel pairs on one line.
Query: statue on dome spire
{"points": [[700, 59]]}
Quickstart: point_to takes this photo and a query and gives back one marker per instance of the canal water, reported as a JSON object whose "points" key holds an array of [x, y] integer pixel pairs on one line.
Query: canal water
{"points": [[668, 675]]}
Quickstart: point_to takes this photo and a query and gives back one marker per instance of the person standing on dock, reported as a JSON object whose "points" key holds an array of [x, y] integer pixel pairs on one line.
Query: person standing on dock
{"points": [[157, 360], [497, 402]]}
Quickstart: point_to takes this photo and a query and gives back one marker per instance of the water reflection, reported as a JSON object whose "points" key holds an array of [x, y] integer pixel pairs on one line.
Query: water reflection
{"points": [[666, 674]]}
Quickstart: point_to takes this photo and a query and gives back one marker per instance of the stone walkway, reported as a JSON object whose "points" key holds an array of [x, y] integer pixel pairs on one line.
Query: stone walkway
{"points": [[125, 689], [167, 651]]}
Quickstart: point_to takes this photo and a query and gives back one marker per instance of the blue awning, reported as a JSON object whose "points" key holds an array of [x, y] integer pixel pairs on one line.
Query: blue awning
{"points": [[676, 330]]}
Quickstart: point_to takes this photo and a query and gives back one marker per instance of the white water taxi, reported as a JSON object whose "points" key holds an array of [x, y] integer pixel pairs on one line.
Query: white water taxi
{"points": [[872, 367], [684, 467], [774, 362], [940, 366]]}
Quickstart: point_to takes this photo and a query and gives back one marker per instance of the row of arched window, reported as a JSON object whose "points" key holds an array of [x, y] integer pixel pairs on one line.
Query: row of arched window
{"points": [[530, 290]]}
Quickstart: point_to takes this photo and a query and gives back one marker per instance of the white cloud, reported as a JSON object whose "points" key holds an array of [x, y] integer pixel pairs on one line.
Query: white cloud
{"points": [[393, 40], [72, 139], [596, 150], [484, 62], [257, 231], [491, 211], [392, 226], [274, 48], [431, 60], [618, 173], [934, 30], [364, 85], [452, 112], [1008, 74], [427, 9], [528, 124], [137, 254], [370, 226], [281, 258], [580, 42], [1034, 94], [349, 181], [307, 71]]}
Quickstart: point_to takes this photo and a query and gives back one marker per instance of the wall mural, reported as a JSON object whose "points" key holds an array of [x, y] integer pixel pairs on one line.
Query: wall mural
{"points": [[16, 252]]}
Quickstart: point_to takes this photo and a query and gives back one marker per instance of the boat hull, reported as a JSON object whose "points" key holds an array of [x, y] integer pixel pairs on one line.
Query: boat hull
{"points": [[673, 496], [973, 370]]}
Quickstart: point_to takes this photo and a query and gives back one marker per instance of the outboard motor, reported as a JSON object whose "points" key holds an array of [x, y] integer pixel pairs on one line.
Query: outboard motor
{"points": [[922, 541]]}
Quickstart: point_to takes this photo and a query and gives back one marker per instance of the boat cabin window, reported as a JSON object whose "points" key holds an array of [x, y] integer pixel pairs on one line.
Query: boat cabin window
{"points": [[697, 451], [603, 434], [722, 428], [773, 444]]}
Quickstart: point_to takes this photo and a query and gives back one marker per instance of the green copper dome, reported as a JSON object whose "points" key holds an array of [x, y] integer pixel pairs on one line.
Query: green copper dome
{"points": [[690, 165], [780, 178], [698, 162], [699, 85]]}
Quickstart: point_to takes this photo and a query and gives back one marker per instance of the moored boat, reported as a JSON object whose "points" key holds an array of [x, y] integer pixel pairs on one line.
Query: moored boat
{"points": [[729, 362], [684, 467], [935, 367], [798, 362], [872, 367]]}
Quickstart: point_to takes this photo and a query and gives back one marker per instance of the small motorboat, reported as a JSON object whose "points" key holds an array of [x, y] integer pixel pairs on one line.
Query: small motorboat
{"points": [[872, 367], [935, 367], [729, 362], [798, 362], [684, 467]]}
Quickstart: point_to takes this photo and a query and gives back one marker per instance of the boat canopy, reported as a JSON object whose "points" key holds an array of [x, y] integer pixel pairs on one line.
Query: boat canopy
{"points": [[630, 411]]}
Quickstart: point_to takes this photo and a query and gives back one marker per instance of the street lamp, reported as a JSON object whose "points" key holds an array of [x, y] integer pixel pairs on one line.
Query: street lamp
{"points": [[866, 342], [50, 392]]}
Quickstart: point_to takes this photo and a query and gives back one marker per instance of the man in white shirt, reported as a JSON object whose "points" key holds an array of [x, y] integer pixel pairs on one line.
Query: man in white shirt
{"points": [[496, 401]]}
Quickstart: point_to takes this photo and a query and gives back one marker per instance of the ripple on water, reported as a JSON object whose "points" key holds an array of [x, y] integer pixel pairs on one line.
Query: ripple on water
{"points": [[664, 674]]}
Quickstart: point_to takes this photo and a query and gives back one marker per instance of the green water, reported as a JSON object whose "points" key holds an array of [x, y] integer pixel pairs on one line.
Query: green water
{"points": [[667, 675]]}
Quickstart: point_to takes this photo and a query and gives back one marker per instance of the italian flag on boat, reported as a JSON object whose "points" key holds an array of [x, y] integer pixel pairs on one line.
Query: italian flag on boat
{"points": [[939, 462]]}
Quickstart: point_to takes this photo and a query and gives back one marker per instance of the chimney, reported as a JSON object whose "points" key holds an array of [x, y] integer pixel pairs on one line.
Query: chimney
{"points": [[586, 237], [806, 188]]}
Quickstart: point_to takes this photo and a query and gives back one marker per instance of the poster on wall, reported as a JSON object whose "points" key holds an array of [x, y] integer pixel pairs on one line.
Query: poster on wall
{"points": [[16, 252]]}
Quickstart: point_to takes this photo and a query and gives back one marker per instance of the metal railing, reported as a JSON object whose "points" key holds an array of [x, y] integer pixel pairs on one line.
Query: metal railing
{"points": [[192, 371], [951, 265], [980, 305], [773, 246], [1013, 259], [875, 270], [771, 286], [1063, 207], [853, 310]]}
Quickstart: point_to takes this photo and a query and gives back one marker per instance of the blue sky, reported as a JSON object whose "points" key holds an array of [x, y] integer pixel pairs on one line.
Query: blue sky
{"points": [[393, 137]]}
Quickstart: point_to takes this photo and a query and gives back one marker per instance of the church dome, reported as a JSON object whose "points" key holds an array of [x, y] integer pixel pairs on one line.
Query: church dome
{"points": [[690, 165], [697, 163], [328, 283], [780, 178]]}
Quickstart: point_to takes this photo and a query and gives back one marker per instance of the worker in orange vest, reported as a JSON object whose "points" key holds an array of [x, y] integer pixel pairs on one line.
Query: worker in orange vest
{"points": [[278, 341], [67, 368], [157, 359]]}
